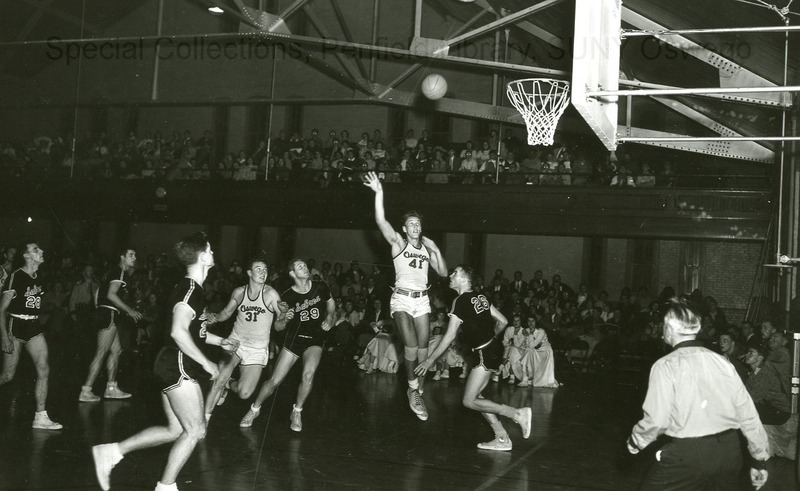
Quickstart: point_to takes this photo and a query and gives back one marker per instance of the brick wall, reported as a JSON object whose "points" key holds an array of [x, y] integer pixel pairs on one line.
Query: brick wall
{"points": [[729, 270]]}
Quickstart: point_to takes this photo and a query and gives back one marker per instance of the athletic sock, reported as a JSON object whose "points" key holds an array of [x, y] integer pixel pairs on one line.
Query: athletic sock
{"points": [[498, 429], [298, 409], [414, 384], [507, 411]]}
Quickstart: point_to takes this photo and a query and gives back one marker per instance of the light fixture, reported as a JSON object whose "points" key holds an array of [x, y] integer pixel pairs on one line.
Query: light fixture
{"points": [[466, 1], [215, 10]]}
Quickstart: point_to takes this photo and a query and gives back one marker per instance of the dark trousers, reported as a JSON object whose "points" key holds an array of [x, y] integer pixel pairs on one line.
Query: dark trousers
{"points": [[709, 462]]}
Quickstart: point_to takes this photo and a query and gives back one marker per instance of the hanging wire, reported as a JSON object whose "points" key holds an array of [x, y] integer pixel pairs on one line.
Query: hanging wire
{"points": [[77, 95]]}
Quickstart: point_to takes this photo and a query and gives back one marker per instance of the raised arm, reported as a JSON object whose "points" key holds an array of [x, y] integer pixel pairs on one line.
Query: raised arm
{"points": [[389, 233], [437, 259]]}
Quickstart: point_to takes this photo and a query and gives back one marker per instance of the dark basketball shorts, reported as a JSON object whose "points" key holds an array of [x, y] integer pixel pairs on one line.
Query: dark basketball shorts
{"points": [[24, 329], [104, 318], [298, 343], [172, 368], [489, 357]]}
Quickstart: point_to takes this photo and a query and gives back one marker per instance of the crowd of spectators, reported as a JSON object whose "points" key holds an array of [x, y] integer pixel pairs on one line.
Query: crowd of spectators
{"points": [[337, 158]]}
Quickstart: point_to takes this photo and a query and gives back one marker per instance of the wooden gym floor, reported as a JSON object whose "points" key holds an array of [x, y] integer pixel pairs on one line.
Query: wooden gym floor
{"points": [[358, 433]]}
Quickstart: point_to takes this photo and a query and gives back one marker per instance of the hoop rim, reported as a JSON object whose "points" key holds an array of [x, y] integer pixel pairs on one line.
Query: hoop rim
{"points": [[553, 81]]}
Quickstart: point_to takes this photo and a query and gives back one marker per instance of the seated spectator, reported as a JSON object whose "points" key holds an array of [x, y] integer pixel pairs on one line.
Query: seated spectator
{"points": [[380, 352], [451, 358], [515, 361], [773, 405], [540, 357], [733, 353], [645, 179]]}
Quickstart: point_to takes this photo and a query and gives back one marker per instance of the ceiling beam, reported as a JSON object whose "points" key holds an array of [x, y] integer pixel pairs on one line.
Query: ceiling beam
{"points": [[26, 30], [357, 78], [347, 35], [731, 74], [72, 19], [503, 21]]}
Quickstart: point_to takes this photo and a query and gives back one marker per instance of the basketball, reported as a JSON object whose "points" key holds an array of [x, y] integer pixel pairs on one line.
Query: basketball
{"points": [[434, 86]]}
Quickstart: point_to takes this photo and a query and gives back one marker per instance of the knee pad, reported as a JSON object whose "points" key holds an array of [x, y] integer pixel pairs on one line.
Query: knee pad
{"points": [[410, 353]]}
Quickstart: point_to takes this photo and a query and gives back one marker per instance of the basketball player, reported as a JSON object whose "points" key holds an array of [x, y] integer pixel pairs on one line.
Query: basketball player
{"points": [[19, 324], [305, 324], [479, 322], [410, 307], [255, 305], [106, 319], [180, 368]]}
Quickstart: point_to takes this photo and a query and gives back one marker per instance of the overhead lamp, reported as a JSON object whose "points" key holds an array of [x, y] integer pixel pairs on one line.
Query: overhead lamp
{"points": [[215, 10], [466, 1]]}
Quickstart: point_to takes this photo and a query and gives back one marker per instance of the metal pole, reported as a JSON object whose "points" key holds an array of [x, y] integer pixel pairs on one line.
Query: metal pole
{"points": [[77, 95], [159, 26], [679, 32], [271, 108], [706, 138], [375, 17], [695, 91]]}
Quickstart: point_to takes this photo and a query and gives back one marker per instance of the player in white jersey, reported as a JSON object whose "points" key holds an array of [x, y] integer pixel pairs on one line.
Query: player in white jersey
{"points": [[255, 305], [410, 306]]}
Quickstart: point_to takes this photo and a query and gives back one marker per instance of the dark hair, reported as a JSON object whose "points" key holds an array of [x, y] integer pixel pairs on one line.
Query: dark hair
{"points": [[19, 259], [258, 258], [123, 251], [410, 214], [190, 247], [292, 262]]}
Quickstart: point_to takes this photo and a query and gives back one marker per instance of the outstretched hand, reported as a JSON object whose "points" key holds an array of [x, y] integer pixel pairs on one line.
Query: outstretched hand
{"points": [[371, 181], [423, 368]]}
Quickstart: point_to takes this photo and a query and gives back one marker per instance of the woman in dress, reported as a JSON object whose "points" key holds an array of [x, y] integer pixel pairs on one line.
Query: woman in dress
{"points": [[540, 357]]}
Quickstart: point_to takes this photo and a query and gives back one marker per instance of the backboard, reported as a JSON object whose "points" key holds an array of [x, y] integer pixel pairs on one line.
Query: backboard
{"points": [[595, 65]]}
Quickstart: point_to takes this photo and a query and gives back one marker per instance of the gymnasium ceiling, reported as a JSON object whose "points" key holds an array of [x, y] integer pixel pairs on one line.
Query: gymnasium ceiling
{"points": [[537, 41]]}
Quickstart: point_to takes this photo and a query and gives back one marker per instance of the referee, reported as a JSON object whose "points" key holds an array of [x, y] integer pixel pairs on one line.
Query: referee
{"points": [[696, 397]]}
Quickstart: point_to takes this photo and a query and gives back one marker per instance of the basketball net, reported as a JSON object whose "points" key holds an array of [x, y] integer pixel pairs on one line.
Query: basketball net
{"points": [[541, 102]]}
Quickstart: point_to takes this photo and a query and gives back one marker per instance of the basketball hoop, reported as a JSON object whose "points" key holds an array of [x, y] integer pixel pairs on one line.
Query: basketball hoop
{"points": [[541, 101]]}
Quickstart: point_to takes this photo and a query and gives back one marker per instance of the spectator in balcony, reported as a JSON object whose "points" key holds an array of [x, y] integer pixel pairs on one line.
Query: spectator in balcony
{"points": [[379, 152], [667, 177], [563, 175], [488, 168], [344, 139], [482, 154], [645, 178], [438, 174], [410, 141], [469, 166]]}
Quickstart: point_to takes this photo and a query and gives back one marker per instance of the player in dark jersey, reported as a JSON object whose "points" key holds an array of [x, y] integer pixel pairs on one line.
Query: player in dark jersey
{"points": [[110, 305], [180, 367], [306, 321], [19, 324], [480, 322]]}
